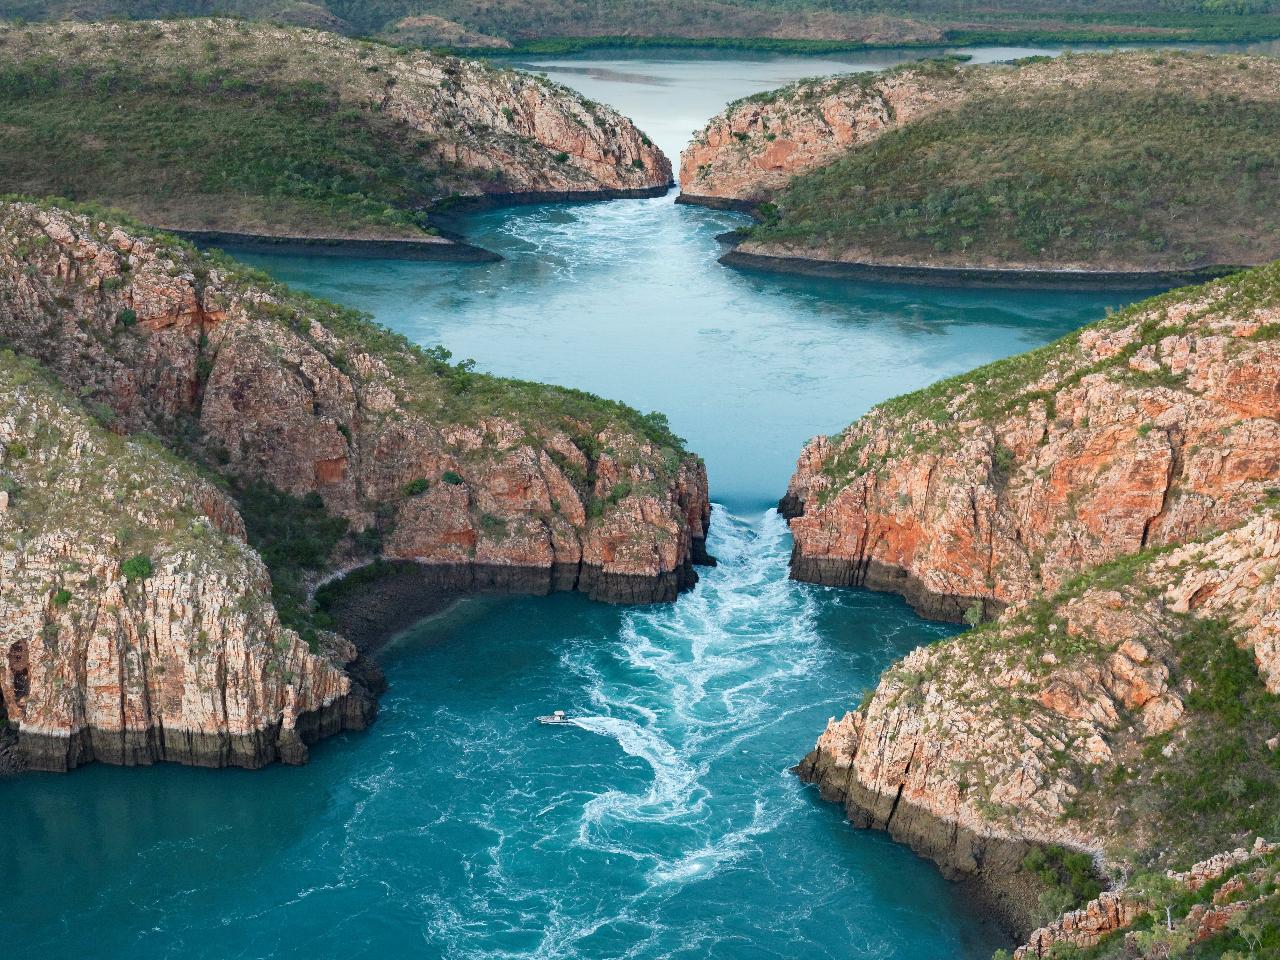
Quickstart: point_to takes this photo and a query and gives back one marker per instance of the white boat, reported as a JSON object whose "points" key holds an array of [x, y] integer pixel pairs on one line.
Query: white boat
{"points": [[557, 717]]}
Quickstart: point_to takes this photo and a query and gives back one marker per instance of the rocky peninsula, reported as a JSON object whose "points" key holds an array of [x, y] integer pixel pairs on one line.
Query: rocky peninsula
{"points": [[325, 441], [1088, 170], [275, 135], [1101, 512]]}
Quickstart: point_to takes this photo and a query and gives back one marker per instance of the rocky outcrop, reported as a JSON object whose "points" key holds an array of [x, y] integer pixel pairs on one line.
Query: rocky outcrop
{"points": [[750, 150], [934, 173], [1144, 430], [451, 129], [1106, 505], [428, 30], [474, 482], [1116, 911], [977, 748], [450, 467], [135, 623]]}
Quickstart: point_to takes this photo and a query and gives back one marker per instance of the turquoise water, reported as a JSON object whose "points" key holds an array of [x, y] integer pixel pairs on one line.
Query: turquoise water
{"points": [[664, 824]]}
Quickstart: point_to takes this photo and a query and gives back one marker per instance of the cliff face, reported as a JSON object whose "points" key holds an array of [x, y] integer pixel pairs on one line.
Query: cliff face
{"points": [[939, 171], [472, 481], [178, 657], [376, 136], [1109, 501], [989, 734], [1146, 429], [750, 151], [450, 467]]}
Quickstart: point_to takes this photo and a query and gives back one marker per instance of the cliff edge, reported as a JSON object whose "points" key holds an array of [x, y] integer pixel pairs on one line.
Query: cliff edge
{"points": [[337, 444], [1101, 511], [1081, 170], [246, 130]]}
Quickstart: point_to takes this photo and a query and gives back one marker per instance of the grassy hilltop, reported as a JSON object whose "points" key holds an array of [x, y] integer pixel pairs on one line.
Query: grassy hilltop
{"points": [[561, 25], [1121, 161], [231, 126]]}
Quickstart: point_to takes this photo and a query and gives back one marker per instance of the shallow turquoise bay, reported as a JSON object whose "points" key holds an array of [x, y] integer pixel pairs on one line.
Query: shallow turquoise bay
{"points": [[665, 824]]}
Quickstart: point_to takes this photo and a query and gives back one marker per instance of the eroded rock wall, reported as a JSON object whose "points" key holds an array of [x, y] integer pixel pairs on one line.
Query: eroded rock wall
{"points": [[181, 659], [1147, 429], [263, 385], [751, 150], [1100, 503]]}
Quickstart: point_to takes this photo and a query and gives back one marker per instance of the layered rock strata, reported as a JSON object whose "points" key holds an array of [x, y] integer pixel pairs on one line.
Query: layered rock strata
{"points": [[1106, 504], [1144, 430], [750, 151], [453, 467], [136, 625], [473, 481]]}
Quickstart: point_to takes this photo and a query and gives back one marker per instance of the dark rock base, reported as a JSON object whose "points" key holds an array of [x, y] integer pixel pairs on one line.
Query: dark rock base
{"points": [[989, 868], [883, 578], [369, 605], [493, 201], [373, 603], [718, 203], [130, 748], [453, 251], [977, 276]]}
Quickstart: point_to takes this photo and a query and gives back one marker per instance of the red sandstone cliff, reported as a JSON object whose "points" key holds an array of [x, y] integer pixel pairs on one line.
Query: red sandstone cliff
{"points": [[1109, 500], [1147, 429], [188, 662], [750, 151], [477, 482], [308, 397]]}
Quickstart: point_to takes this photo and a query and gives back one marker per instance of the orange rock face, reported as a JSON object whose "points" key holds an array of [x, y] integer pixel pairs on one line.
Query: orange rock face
{"points": [[548, 491], [273, 393], [1147, 429], [1096, 499], [188, 663], [754, 147]]}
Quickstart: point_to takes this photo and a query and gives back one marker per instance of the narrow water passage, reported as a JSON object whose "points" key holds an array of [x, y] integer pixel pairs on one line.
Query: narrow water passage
{"points": [[664, 824]]}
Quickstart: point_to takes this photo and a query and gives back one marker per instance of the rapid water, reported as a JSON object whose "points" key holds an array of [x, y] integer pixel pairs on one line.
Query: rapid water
{"points": [[664, 824]]}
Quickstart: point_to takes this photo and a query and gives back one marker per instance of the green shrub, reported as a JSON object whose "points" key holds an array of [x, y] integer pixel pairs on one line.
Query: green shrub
{"points": [[561, 157], [451, 477], [62, 598], [137, 567], [127, 317], [1170, 178], [295, 536], [1068, 878], [416, 487]]}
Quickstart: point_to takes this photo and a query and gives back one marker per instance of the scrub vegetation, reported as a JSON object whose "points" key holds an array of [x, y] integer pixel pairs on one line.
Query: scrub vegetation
{"points": [[558, 26], [1151, 162], [222, 125]]}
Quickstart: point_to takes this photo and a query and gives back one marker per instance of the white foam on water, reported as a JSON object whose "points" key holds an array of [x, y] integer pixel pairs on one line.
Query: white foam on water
{"points": [[689, 684]]}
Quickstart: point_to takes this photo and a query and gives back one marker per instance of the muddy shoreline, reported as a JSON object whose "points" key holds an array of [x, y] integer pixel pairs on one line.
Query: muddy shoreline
{"points": [[439, 248], [977, 277]]}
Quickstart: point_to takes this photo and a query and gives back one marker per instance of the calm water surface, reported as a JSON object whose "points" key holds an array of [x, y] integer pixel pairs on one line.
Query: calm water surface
{"points": [[664, 824]]}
